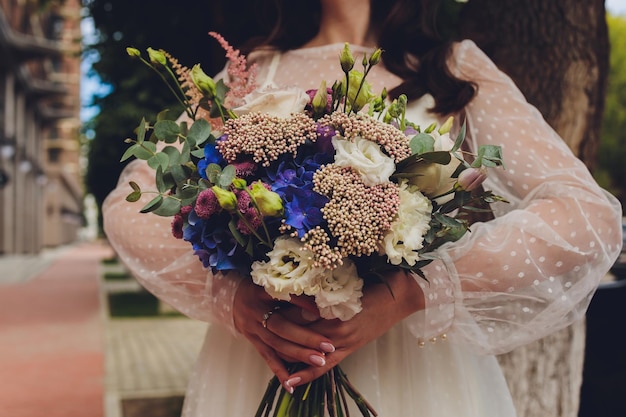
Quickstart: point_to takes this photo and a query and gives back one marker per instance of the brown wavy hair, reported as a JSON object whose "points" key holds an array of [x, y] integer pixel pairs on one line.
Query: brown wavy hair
{"points": [[410, 32]]}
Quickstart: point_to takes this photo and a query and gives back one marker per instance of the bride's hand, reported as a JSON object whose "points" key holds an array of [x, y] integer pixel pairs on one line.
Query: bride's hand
{"points": [[277, 338], [381, 311]]}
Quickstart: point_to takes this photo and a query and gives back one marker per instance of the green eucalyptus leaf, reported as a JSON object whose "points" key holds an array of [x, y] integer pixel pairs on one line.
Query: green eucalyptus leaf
{"points": [[159, 160], [422, 143], [162, 115], [168, 208], [200, 131], [161, 183], [129, 152], [213, 171], [173, 155], [489, 156], [198, 153], [180, 173], [141, 131], [134, 196], [185, 154], [134, 186], [167, 130], [227, 176], [187, 194], [153, 204], [145, 150]]}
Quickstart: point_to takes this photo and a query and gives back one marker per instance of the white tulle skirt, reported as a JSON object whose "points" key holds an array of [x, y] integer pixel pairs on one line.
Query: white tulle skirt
{"points": [[396, 376]]}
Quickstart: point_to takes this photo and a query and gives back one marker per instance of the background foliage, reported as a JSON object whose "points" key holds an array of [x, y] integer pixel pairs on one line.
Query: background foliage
{"points": [[611, 168]]}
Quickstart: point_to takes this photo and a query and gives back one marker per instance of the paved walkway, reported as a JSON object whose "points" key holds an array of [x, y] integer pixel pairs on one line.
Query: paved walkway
{"points": [[60, 353], [51, 356]]}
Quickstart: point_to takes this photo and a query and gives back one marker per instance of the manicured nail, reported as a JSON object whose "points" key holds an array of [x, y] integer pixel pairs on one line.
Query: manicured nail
{"points": [[290, 383], [327, 347], [317, 360]]}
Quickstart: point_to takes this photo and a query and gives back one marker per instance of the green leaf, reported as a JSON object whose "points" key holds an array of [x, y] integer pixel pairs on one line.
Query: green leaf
{"points": [[459, 138], [152, 205], [422, 143], [134, 186], [232, 226], [161, 184], [185, 154], [438, 157], [173, 154], [145, 150], [162, 115], [159, 160], [227, 176], [179, 173], [489, 156], [198, 153], [168, 208], [187, 194], [200, 131], [141, 131], [167, 130], [213, 172], [134, 196], [129, 152]]}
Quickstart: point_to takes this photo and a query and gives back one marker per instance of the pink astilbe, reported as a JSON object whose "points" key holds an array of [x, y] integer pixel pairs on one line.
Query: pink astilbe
{"points": [[242, 77]]}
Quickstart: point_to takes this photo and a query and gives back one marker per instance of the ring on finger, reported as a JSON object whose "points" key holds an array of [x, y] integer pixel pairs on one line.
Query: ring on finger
{"points": [[267, 316]]}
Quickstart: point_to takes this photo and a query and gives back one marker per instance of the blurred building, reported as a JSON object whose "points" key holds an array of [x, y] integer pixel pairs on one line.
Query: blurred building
{"points": [[40, 181]]}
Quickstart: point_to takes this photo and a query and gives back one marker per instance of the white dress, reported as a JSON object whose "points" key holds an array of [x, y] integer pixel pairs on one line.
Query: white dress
{"points": [[515, 279]]}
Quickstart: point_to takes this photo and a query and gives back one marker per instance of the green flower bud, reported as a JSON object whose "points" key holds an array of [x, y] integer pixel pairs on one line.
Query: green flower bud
{"points": [[204, 83], [346, 59], [157, 57], [445, 128], [375, 58], [365, 95], [134, 52], [268, 202], [320, 100], [227, 199], [240, 184]]}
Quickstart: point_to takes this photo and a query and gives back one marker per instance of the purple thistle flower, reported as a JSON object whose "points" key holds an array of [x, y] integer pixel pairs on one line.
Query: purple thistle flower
{"points": [[206, 204]]}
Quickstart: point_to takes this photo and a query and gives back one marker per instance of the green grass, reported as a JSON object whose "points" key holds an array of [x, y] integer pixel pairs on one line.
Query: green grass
{"points": [[133, 304], [116, 276]]}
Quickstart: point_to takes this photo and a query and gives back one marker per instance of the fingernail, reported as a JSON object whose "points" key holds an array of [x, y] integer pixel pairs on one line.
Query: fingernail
{"points": [[327, 347], [317, 360], [290, 383]]}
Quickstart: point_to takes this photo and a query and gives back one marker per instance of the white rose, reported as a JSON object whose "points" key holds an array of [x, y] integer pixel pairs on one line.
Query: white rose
{"points": [[289, 270], [406, 235], [281, 103], [366, 158], [340, 292], [435, 179]]}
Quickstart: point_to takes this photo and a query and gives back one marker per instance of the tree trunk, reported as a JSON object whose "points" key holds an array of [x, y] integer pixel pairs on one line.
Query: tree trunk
{"points": [[557, 52]]}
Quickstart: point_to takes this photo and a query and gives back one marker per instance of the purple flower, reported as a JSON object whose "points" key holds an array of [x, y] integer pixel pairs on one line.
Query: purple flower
{"points": [[303, 210]]}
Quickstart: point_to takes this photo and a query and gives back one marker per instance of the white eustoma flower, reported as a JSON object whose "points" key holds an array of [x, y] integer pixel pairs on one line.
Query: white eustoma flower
{"points": [[289, 271], [276, 102], [366, 158], [406, 235], [340, 292]]}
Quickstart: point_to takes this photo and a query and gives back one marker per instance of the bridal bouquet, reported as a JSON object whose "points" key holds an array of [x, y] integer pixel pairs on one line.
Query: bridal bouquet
{"points": [[308, 193]]}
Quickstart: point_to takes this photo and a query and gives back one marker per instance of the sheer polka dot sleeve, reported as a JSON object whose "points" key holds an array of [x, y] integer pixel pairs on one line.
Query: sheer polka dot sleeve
{"points": [[533, 269], [164, 265]]}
